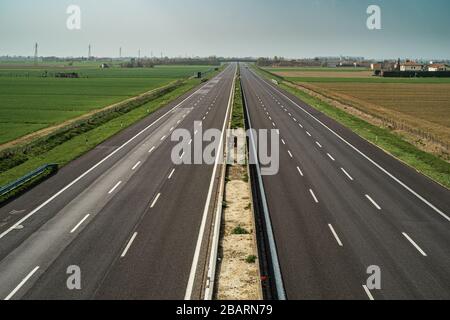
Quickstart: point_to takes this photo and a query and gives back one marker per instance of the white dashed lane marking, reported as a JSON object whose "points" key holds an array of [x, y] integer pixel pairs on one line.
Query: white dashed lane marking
{"points": [[155, 200], [414, 244], [313, 195], [115, 187], [373, 202], [347, 174], [335, 235]]}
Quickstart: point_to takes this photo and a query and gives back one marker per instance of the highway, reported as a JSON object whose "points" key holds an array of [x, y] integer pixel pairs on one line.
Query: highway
{"points": [[340, 205], [136, 225]]}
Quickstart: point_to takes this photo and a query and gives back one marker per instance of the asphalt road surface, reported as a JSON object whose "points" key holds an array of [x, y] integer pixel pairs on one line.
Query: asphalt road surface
{"points": [[124, 214], [340, 205]]}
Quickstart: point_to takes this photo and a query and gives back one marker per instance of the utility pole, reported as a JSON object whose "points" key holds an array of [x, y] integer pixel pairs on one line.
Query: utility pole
{"points": [[120, 52], [36, 53], [89, 52], [139, 54]]}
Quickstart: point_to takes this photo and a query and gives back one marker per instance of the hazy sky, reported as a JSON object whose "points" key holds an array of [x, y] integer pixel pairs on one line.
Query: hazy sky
{"points": [[290, 28]]}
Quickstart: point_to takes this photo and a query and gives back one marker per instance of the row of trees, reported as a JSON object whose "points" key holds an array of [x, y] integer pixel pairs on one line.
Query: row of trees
{"points": [[138, 63], [282, 62]]}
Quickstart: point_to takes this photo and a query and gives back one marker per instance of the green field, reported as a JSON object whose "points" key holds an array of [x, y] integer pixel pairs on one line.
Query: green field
{"points": [[71, 142], [29, 102]]}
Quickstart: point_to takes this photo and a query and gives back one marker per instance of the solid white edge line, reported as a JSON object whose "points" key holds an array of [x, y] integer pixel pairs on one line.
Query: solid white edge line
{"points": [[79, 223], [124, 253], [155, 200], [414, 244], [115, 187], [313, 195], [347, 174], [335, 235], [373, 202], [194, 266], [369, 294], [21, 221], [20, 285], [429, 204], [136, 165]]}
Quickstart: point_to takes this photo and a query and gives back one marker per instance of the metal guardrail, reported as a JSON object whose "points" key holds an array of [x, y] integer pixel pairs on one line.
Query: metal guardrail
{"points": [[19, 182]]}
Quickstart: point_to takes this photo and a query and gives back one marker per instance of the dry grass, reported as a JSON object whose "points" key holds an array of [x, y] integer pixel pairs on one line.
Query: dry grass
{"points": [[421, 107], [430, 102]]}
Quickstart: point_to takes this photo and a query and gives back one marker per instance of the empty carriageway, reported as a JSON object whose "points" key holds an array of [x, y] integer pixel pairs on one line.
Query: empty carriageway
{"points": [[130, 221], [337, 208]]}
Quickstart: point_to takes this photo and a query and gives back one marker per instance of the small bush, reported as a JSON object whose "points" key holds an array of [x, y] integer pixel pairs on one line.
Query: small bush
{"points": [[251, 259], [239, 230]]}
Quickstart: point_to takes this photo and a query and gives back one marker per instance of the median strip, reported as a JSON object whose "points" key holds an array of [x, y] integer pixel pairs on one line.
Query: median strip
{"points": [[238, 275]]}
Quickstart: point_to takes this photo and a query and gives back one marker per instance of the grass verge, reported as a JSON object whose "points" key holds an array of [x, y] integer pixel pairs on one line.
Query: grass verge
{"points": [[426, 163], [27, 185]]}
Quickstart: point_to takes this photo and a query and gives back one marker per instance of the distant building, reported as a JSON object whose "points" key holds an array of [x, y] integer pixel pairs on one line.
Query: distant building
{"points": [[411, 66], [376, 66], [348, 64], [435, 67]]}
